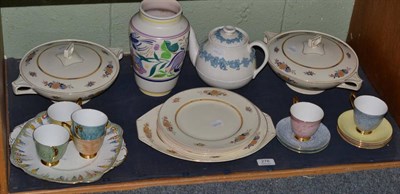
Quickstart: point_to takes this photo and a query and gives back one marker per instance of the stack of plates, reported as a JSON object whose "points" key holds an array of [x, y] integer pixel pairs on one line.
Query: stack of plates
{"points": [[206, 125], [377, 139]]}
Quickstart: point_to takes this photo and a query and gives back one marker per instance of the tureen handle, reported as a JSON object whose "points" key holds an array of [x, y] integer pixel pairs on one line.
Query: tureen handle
{"points": [[118, 52], [353, 83], [263, 46], [268, 36], [20, 87]]}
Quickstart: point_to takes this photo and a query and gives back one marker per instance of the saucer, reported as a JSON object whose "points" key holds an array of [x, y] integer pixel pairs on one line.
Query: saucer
{"points": [[318, 142], [377, 139], [72, 168]]}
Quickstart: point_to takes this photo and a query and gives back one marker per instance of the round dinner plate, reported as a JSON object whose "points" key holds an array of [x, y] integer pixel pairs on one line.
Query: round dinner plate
{"points": [[208, 120]]}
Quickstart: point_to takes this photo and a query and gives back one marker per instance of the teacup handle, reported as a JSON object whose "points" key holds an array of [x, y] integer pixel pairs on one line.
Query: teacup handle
{"points": [[295, 99], [108, 124], [352, 97], [68, 126], [55, 150], [76, 128], [79, 101]]}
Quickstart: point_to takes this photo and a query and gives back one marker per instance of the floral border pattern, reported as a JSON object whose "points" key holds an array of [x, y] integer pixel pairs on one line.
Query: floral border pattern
{"points": [[57, 85], [219, 37], [223, 64]]}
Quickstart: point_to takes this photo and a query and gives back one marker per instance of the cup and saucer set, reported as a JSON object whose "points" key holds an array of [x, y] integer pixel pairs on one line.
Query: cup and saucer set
{"points": [[365, 126], [302, 131], [67, 144]]}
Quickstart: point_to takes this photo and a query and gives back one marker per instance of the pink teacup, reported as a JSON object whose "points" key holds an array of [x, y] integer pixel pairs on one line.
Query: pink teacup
{"points": [[305, 119]]}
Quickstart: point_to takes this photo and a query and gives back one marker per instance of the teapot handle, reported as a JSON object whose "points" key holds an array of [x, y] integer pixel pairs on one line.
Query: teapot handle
{"points": [[263, 46]]}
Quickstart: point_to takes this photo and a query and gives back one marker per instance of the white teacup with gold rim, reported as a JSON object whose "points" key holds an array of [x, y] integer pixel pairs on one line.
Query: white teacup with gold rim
{"points": [[60, 112]]}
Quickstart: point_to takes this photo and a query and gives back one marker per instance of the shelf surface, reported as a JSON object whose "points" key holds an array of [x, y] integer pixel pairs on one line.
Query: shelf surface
{"points": [[124, 103]]}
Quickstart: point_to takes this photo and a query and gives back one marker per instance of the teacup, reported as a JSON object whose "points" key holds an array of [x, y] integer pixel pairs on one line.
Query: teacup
{"points": [[305, 119], [88, 131], [369, 112], [88, 124], [60, 113], [88, 148], [51, 142]]}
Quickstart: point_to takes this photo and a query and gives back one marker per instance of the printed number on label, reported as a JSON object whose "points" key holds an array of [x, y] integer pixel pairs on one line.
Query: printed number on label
{"points": [[266, 162]]}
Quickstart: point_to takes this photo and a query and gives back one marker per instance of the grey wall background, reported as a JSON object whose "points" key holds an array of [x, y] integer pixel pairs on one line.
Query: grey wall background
{"points": [[107, 24]]}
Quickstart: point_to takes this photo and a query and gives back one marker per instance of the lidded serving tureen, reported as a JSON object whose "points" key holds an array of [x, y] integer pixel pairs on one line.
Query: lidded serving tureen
{"points": [[67, 70], [311, 61]]}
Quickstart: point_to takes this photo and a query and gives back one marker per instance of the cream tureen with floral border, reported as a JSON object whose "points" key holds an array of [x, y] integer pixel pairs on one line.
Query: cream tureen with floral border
{"points": [[67, 70], [311, 61]]}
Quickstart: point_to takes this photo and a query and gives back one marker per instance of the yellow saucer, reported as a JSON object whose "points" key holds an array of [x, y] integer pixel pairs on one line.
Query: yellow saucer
{"points": [[361, 144], [379, 136]]}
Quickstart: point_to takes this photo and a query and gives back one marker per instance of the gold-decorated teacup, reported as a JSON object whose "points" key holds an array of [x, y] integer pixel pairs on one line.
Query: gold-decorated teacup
{"points": [[88, 148], [305, 118], [369, 112], [88, 129], [51, 142], [60, 112]]}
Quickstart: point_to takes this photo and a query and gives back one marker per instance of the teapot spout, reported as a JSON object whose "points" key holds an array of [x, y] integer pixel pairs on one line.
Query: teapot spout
{"points": [[193, 46]]}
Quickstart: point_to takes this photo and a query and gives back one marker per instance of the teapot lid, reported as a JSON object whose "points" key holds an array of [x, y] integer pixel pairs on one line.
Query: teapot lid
{"points": [[229, 36]]}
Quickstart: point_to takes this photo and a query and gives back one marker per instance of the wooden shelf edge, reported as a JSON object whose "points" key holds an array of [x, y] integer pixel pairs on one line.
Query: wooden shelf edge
{"points": [[4, 170], [256, 175]]}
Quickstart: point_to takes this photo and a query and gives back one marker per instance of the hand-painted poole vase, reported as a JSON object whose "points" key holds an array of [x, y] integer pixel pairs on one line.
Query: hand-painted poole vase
{"points": [[158, 41]]}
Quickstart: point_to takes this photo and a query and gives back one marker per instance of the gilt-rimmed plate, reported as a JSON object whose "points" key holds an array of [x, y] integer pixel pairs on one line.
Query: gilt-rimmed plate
{"points": [[72, 168], [147, 133], [120, 158], [208, 120]]}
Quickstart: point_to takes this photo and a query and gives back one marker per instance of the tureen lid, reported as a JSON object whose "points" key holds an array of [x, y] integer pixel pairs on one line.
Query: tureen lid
{"points": [[228, 36], [69, 66], [312, 56]]}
